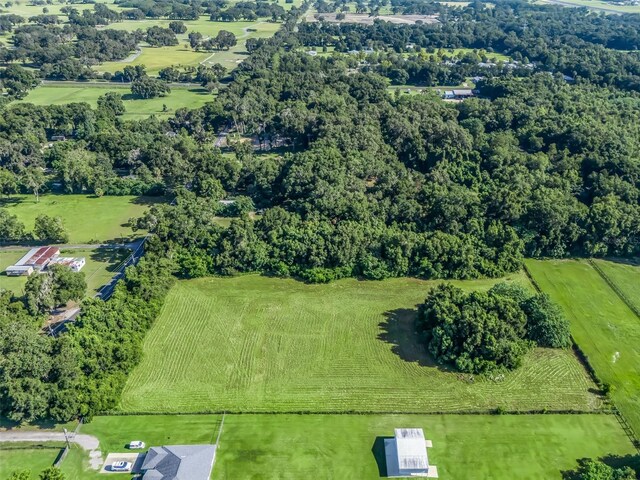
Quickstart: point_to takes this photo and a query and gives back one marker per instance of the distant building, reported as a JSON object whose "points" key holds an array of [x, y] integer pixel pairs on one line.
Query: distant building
{"points": [[406, 454], [313, 53], [458, 94], [179, 462], [38, 257], [74, 264], [18, 270]]}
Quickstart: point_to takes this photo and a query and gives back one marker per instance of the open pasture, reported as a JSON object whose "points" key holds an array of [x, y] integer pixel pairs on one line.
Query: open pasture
{"points": [[88, 219], [156, 58], [256, 344], [136, 108], [604, 327], [597, 5]]}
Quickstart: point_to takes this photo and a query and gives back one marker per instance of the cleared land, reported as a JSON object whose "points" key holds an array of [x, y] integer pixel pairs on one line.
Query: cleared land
{"points": [[136, 108], [523, 447], [258, 344], [604, 327], [156, 58], [99, 269], [88, 219]]}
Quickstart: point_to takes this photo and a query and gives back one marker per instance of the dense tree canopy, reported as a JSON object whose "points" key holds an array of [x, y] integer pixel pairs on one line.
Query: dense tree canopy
{"points": [[481, 332]]}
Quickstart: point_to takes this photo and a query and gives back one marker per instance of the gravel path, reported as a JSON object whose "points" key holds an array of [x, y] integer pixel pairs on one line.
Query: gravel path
{"points": [[87, 442]]}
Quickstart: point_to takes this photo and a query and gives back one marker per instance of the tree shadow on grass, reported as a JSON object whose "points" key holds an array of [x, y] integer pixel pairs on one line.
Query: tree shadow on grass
{"points": [[10, 201], [398, 329], [113, 256], [8, 424], [379, 454], [149, 200]]}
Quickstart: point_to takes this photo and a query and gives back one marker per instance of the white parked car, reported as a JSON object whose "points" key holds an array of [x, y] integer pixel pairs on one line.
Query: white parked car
{"points": [[136, 444], [121, 466]]}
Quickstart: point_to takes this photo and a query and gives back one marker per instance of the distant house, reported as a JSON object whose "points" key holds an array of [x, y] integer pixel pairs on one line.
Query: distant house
{"points": [[458, 94], [179, 462], [58, 138], [406, 454]]}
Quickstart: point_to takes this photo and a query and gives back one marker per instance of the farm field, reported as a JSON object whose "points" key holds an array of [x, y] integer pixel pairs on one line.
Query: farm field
{"points": [[604, 327], [256, 344], [99, 269], [156, 58], [136, 108], [88, 219]]}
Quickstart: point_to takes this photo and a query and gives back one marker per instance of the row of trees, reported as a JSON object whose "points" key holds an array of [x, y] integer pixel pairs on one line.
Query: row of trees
{"points": [[482, 332]]}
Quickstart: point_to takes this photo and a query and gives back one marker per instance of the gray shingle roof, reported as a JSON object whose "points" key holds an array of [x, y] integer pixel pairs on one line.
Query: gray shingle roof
{"points": [[179, 462]]}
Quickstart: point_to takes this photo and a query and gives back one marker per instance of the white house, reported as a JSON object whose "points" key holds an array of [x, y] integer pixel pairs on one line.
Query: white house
{"points": [[406, 454]]}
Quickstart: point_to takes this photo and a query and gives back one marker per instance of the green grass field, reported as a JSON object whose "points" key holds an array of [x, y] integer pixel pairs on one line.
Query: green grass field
{"points": [[259, 344], [156, 58], [602, 325], [87, 219], [99, 269], [497, 447], [625, 276], [18, 456], [507, 447], [136, 108]]}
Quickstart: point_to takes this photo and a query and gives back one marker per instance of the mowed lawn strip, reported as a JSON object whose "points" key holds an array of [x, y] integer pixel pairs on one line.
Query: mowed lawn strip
{"points": [[602, 324], [257, 344], [88, 219], [625, 277], [497, 447]]}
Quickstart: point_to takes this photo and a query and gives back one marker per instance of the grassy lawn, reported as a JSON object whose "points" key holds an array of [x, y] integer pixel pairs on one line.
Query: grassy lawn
{"points": [[156, 58], [99, 269], [523, 447], [257, 344], [604, 327], [88, 219], [499, 447], [136, 108], [625, 276], [20, 456]]}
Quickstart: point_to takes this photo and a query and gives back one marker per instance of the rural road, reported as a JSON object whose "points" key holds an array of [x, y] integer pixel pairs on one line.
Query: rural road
{"points": [[87, 442]]}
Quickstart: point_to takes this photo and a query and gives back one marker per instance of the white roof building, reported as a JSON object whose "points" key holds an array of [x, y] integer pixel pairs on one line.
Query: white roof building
{"points": [[406, 454]]}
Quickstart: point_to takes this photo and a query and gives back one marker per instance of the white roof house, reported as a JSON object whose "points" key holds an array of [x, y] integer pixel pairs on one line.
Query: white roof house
{"points": [[406, 454]]}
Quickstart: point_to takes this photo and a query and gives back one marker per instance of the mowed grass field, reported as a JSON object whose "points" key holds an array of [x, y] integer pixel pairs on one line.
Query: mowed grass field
{"points": [[498, 447], [136, 108], [20, 456], [88, 219], [99, 269], [289, 446], [604, 327], [595, 5], [256, 344], [156, 58]]}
